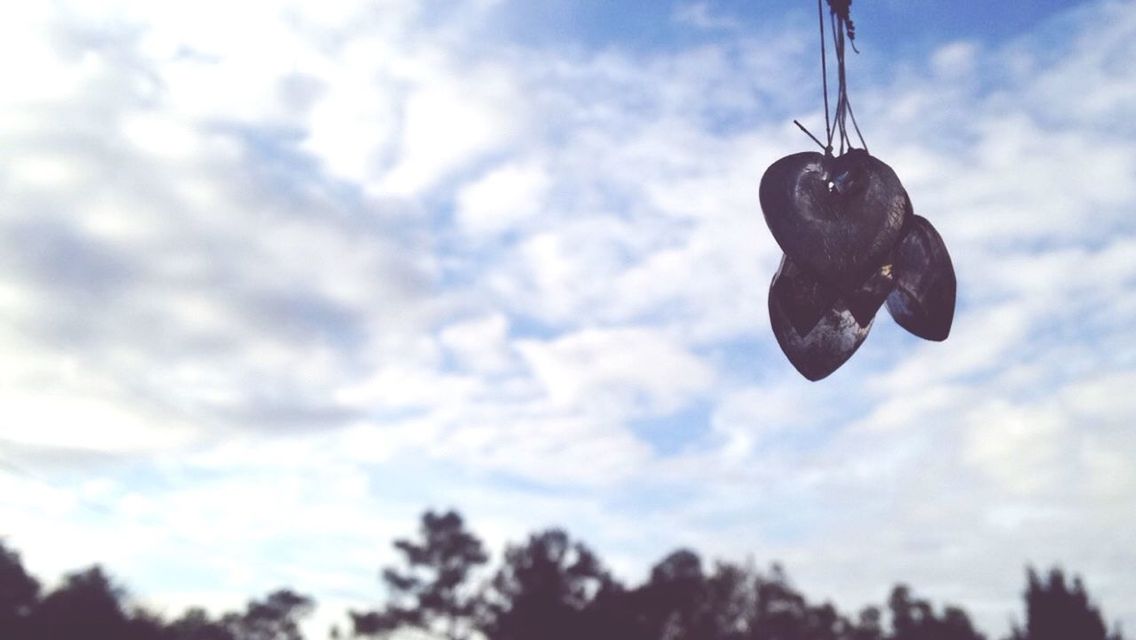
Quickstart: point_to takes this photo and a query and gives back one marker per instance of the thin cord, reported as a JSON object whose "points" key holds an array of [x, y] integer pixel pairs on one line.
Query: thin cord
{"points": [[857, 127], [808, 133], [824, 80], [836, 122], [842, 32], [841, 95]]}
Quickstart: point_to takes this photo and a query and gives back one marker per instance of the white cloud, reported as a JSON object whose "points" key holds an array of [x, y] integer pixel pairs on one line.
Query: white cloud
{"points": [[699, 15], [480, 344], [502, 198], [621, 371], [67, 419], [447, 123], [955, 60], [397, 387], [1019, 446]]}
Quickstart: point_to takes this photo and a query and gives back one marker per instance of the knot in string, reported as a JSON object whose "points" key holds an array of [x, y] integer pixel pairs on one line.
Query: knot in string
{"points": [[842, 10]]}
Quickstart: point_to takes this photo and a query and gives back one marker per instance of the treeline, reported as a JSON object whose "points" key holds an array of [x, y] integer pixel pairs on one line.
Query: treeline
{"points": [[550, 587]]}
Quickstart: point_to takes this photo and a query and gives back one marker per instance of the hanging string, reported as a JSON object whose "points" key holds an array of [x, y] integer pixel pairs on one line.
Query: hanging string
{"points": [[841, 81], [843, 33], [824, 81], [836, 124], [827, 150], [856, 126]]}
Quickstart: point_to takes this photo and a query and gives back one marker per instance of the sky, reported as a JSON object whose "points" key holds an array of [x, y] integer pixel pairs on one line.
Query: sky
{"points": [[275, 277]]}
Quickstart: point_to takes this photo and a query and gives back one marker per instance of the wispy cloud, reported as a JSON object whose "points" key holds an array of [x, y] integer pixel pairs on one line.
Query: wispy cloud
{"points": [[701, 16]]}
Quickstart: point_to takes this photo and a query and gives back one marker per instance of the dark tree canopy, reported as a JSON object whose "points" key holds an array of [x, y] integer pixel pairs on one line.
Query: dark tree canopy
{"points": [[195, 624], [90, 604], [429, 590], [914, 619], [545, 589], [277, 617], [673, 598], [86, 600], [19, 594], [551, 587], [1056, 610]]}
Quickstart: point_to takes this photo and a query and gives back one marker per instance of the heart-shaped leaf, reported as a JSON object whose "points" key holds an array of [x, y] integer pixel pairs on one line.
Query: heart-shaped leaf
{"points": [[924, 298], [836, 217], [828, 345]]}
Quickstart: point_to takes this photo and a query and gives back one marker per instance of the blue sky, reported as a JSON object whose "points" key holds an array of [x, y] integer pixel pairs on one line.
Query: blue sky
{"points": [[891, 25], [274, 278]]}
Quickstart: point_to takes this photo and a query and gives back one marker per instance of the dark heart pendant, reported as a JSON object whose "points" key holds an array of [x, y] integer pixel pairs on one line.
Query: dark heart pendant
{"points": [[836, 217], [831, 341], [866, 300], [802, 298], [924, 298]]}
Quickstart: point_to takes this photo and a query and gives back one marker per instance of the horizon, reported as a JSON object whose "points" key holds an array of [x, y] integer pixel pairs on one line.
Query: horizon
{"points": [[445, 579]]}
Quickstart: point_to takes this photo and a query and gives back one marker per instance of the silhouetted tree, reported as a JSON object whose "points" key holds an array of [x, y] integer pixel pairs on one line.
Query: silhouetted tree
{"points": [[429, 592], [277, 617], [19, 595], [1056, 611], [868, 626], [673, 602], [782, 612], [195, 624], [913, 619], [546, 589], [727, 610], [733, 603], [550, 588], [87, 605], [144, 625]]}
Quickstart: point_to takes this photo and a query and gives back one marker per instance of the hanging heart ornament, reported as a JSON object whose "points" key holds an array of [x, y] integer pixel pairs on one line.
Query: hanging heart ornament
{"points": [[851, 243], [851, 239], [812, 324], [923, 301], [836, 217]]}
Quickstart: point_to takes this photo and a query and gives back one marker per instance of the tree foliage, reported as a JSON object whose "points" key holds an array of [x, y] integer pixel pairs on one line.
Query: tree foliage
{"points": [[19, 595], [551, 587], [429, 591], [1056, 610], [914, 619], [277, 617]]}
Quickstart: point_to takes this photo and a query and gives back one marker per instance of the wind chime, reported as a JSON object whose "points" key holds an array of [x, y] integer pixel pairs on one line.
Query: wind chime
{"points": [[850, 238]]}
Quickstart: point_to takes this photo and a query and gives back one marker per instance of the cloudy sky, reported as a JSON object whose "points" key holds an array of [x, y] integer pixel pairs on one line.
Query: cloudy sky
{"points": [[277, 276]]}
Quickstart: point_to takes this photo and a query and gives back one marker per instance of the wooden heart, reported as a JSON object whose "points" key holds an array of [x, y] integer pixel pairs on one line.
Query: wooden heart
{"points": [[836, 217], [802, 298], [924, 298], [828, 345]]}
